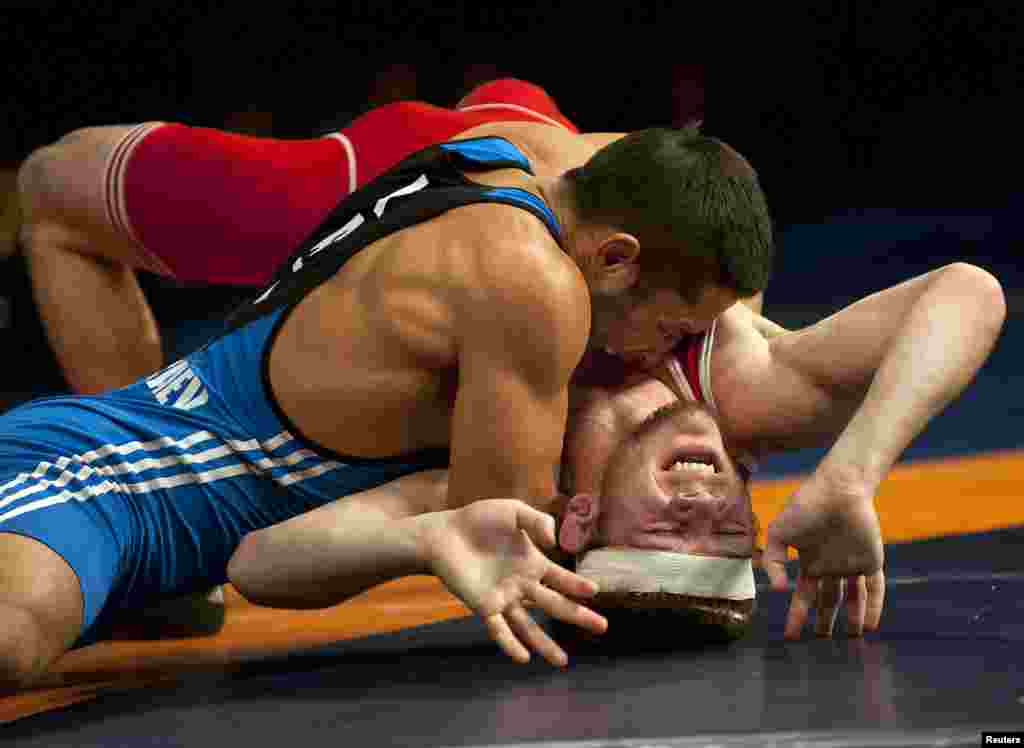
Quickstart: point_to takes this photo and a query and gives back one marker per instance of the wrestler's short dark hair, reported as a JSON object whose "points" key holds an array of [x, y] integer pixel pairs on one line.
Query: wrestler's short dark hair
{"points": [[694, 204]]}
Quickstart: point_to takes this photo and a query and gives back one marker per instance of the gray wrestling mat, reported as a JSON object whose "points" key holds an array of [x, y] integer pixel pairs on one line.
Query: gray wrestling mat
{"points": [[947, 665]]}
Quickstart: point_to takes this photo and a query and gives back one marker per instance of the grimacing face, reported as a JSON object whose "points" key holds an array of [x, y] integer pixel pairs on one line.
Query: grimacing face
{"points": [[642, 328], [675, 488]]}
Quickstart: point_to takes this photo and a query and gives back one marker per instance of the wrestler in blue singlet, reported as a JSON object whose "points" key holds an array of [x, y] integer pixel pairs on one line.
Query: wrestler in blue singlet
{"points": [[147, 491]]}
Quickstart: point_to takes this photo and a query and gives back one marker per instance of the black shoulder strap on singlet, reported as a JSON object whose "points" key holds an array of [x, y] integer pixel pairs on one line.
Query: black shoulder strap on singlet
{"points": [[422, 186]]}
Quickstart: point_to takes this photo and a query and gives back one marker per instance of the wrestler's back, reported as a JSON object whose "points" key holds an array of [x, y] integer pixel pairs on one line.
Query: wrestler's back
{"points": [[551, 150], [378, 341]]}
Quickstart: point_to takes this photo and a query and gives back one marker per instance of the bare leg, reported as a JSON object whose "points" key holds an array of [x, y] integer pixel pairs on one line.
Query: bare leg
{"points": [[95, 314], [40, 610]]}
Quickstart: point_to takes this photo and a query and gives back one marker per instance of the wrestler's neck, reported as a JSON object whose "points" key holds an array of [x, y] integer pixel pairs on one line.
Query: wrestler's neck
{"points": [[557, 195]]}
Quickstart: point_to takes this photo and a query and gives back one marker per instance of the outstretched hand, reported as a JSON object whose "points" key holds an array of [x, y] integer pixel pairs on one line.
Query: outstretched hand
{"points": [[486, 553], [839, 542]]}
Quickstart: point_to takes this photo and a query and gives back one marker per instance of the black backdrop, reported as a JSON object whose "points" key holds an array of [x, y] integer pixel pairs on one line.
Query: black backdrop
{"points": [[836, 103]]}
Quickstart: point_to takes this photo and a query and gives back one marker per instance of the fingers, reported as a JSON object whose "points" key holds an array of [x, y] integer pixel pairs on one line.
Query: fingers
{"points": [[500, 631], [800, 606], [535, 637], [830, 597], [865, 597], [856, 605], [558, 606], [568, 583], [875, 589], [517, 633], [773, 561], [540, 527]]}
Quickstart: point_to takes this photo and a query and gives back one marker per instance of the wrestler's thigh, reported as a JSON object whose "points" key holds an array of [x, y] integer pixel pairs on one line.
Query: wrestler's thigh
{"points": [[36, 580], [68, 199]]}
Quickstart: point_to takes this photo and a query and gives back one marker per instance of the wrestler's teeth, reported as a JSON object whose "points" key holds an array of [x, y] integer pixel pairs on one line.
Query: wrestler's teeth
{"points": [[693, 466]]}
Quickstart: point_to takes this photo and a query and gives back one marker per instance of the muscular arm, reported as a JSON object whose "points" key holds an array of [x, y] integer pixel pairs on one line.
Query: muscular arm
{"points": [[333, 553], [521, 333], [520, 338], [869, 377]]}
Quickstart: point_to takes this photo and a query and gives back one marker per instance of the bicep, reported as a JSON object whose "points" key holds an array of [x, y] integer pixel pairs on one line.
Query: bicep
{"points": [[512, 404], [767, 399], [507, 430], [801, 388], [520, 335]]}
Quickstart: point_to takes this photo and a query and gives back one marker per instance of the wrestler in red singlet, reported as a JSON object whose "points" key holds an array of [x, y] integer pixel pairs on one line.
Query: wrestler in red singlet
{"points": [[185, 193]]}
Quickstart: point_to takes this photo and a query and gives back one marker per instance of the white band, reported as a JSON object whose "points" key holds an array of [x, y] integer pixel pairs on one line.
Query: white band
{"points": [[634, 570]]}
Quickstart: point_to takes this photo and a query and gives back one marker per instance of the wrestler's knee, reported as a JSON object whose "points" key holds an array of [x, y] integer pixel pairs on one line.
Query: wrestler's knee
{"points": [[41, 179], [40, 609], [42, 166], [72, 164], [22, 648]]}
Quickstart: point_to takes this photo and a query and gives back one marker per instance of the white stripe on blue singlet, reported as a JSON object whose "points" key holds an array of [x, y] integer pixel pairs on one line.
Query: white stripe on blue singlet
{"points": [[252, 457]]}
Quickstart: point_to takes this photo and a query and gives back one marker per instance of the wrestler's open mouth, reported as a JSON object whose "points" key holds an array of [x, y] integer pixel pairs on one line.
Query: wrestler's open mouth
{"points": [[697, 463]]}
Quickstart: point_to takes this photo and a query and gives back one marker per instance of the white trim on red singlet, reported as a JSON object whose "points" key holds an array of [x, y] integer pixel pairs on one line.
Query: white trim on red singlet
{"points": [[114, 200], [350, 152], [704, 365], [679, 376], [514, 107]]}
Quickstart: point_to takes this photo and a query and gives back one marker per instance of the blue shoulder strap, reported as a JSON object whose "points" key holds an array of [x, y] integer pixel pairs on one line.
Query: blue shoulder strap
{"points": [[496, 153], [527, 200], [489, 153]]}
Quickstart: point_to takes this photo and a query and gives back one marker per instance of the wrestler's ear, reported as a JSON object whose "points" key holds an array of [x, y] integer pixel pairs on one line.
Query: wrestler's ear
{"points": [[579, 523], [619, 255]]}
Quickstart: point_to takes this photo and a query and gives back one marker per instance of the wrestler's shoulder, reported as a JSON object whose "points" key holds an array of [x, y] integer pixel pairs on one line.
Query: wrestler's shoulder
{"points": [[550, 150], [508, 272], [507, 248], [741, 355]]}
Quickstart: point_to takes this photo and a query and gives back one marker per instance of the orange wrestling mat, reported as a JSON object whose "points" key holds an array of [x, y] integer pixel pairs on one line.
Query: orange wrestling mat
{"points": [[921, 500]]}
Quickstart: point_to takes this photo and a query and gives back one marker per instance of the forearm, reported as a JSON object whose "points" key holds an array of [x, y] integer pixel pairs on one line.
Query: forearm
{"points": [[935, 351], [316, 566]]}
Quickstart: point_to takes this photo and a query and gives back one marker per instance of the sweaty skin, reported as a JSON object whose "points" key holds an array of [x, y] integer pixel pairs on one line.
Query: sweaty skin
{"points": [[416, 310], [395, 316], [481, 295], [463, 330], [95, 315], [487, 320]]}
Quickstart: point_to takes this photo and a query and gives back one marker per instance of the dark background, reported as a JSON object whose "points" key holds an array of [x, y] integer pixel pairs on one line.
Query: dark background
{"points": [[837, 104], [885, 134]]}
